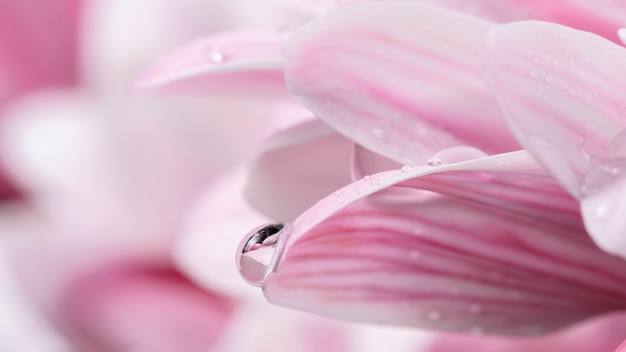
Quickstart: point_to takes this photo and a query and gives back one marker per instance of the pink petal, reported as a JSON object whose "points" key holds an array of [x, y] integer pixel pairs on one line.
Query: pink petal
{"points": [[23, 327], [239, 62], [392, 74], [201, 249], [596, 335], [37, 45], [143, 309], [282, 183], [7, 188], [560, 90], [603, 17], [621, 347], [366, 162], [515, 259], [59, 148]]}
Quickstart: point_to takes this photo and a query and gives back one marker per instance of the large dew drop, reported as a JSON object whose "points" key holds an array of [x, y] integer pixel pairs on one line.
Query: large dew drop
{"points": [[256, 252]]}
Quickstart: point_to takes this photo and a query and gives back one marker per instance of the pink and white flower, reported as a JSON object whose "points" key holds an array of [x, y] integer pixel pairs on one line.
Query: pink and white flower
{"points": [[477, 238]]}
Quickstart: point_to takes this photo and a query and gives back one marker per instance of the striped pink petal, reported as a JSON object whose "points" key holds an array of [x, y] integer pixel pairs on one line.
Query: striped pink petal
{"points": [[492, 245], [282, 183], [37, 45], [387, 75], [239, 62], [603, 17], [597, 335], [129, 308], [562, 92], [366, 162]]}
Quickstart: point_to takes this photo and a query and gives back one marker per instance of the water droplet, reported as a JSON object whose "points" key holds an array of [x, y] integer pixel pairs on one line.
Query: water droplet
{"points": [[367, 178], [455, 155], [256, 251], [434, 315], [608, 168], [434, 162], [406, 169], [590, 148], [216, 56]]}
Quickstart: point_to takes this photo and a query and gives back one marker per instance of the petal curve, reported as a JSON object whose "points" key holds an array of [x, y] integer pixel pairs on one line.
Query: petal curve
{"points": [[238, 62], [396, 257], [387, 75]]}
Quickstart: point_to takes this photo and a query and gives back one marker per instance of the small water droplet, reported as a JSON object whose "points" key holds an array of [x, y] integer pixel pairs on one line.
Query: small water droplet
{"points": [[455, 155], [607, 168], [590, 148], [406, 169], [434, 315], [256, 251], [434, 162], [367, 178], [216, 56]]}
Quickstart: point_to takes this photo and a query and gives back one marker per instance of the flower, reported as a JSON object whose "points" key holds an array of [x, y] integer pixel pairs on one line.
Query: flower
{"points": [[110, 183], [384, 250], [471, 234], [517, 258], [35, 57]]}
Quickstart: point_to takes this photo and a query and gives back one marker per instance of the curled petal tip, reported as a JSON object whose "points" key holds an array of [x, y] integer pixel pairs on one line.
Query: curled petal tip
{"points": [[236, 61], [516, 259]]}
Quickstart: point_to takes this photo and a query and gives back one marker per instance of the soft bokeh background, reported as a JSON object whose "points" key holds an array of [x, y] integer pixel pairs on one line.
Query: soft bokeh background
{"points": [[99, 184], [120, 211]]}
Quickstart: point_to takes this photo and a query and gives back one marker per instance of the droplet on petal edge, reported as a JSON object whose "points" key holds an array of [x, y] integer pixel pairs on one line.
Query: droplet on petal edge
{"points": [[455, 155], [258, 252], [608, 169]]}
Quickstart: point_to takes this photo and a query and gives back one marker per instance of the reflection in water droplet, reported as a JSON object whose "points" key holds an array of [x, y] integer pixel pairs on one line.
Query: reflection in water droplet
{"points": [[256, 251]]}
